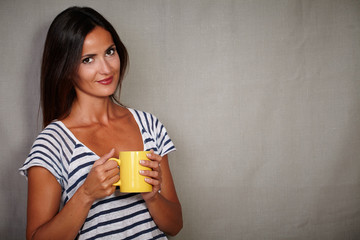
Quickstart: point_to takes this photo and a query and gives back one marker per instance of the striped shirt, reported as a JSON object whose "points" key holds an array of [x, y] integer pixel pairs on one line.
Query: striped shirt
{"points": [[119, 216]]}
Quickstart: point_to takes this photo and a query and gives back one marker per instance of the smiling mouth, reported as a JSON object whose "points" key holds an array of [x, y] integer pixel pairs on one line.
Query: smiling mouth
{"points": [[106, 81]]}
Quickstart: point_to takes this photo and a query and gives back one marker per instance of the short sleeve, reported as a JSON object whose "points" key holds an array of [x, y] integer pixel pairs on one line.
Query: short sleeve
{"points": [[46, 153], [163, 140], [153, 132]]}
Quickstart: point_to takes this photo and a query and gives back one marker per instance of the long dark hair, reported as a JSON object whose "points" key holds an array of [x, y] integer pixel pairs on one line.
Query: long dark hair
{"points": [[62, 56]]}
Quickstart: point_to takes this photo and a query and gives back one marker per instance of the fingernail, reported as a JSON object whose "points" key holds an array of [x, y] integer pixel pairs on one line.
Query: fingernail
{"points": [[148, 155], [142, 161], [142, 171]]}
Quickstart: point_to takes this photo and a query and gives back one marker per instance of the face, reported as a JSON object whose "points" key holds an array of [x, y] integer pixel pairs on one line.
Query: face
{"points": [[98, 73]]}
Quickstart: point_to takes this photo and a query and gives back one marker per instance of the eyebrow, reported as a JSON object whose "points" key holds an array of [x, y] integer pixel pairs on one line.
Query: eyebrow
{"points": [[92, 55], [111, 46]]}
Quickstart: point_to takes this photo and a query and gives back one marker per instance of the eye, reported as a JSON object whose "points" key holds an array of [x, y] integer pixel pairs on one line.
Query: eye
{"points": [[110, 52], [87, 60]]}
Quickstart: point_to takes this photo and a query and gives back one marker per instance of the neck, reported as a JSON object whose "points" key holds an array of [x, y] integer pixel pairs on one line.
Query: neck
{"points": [[99, 111]]}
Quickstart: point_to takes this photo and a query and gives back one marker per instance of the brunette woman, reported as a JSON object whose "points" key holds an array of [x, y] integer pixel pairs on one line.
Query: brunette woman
{"points": [[70, 180]]}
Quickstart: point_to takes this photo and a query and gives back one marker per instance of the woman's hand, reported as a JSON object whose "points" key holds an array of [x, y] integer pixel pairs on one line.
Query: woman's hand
{"points": [[44, 194], [154, 176], [102, 176], [163, 206]]}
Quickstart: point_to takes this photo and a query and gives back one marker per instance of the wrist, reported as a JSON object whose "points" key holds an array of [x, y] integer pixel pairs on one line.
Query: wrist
{"points": [[153, 198], [85, 198]]}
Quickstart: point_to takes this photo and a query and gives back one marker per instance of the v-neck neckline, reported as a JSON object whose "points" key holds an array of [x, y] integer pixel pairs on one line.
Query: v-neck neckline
{"points": [[68, 131]]}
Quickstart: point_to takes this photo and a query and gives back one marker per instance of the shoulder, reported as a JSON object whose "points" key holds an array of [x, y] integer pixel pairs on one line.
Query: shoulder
{"points": [[145, 120], [56, 137], [140, 113], [59, 130], [48, 150], [153, 129]]}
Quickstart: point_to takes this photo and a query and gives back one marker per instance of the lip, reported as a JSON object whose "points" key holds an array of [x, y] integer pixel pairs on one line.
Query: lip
{"points": [[106, 81]]}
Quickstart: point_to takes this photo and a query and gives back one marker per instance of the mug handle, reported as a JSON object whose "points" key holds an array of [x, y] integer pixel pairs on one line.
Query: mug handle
{"points": [[118, 183]]}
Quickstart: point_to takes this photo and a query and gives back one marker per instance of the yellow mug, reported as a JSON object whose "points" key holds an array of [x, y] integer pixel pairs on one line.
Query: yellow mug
{"points": [[130, 178]]}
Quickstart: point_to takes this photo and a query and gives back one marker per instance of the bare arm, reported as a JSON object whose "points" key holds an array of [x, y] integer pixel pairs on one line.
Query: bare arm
{"points": [[44, 220], [164, 207]]}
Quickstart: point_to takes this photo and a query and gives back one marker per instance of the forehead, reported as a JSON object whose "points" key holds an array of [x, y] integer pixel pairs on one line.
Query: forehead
{"points": [[97, 39]]}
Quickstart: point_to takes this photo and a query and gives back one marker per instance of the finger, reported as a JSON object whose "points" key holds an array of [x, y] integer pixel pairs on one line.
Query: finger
{"points": [[154, 182], [113, 172], [114, 179], [110, 165], [148, 173], [110, 190], [154, 157], [150, 164], [104, 158]]}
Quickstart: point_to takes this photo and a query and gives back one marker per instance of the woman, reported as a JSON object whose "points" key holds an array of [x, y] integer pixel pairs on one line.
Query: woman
{"points": [[70, 187]]}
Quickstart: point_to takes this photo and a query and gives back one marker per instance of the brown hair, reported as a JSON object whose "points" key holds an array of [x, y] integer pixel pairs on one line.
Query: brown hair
{"points": [[62, 56]]}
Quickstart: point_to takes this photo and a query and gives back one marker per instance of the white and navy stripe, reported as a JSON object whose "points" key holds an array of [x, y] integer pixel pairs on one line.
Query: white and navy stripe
{"points": [[120, 216]]}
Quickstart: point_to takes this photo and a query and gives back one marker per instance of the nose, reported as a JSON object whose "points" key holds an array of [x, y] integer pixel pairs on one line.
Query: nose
{"points": [[105, 67]]}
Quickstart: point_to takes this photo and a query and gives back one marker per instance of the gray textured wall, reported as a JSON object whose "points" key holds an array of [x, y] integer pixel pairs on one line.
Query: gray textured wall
{"points": [[261, 98]]}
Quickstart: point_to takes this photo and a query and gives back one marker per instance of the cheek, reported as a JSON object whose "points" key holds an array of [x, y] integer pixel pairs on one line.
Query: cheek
{"points": [[116, 65], [83, 78], [85, 73]]}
